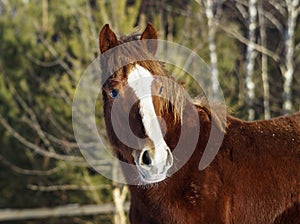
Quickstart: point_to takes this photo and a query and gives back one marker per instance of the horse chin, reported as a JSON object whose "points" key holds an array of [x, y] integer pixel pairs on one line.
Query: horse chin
{"points": [[153, 179], [148, 177]]}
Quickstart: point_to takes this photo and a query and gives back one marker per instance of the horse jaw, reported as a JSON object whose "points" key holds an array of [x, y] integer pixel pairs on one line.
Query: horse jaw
{"points": [[159, 155]]}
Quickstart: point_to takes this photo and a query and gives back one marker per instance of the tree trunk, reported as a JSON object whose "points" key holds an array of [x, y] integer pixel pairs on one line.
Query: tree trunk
{"points": [[209, 11], [264, 63], [292, 8], [119, 197], [250, 59]]}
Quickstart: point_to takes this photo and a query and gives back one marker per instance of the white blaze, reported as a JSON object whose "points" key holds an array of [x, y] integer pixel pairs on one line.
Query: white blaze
{"points": [[140, 80]]}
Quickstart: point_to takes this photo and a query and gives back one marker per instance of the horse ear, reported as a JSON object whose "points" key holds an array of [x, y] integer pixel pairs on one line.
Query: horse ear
{"points": [[107, 39], [150, 33]]}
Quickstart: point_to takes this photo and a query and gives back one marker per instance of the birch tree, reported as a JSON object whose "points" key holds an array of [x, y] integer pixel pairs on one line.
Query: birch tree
{"points": [[250, 58], [293, 12], [209, 11], [264, 62], [119, 194]]}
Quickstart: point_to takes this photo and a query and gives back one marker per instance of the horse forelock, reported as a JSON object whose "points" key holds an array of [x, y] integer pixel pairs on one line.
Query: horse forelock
{"points": [[130, 51]]}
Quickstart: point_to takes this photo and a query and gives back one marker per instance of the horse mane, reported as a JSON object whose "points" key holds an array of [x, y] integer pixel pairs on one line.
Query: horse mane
{"points": [[173, 97], [173, 93], [216, 111]]}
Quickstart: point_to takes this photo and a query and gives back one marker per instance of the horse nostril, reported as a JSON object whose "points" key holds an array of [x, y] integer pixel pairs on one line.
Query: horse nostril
{"points": [[146, 158]]}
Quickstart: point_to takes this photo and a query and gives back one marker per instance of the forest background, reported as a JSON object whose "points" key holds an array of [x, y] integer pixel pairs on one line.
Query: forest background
{"points": [[252, 46]]}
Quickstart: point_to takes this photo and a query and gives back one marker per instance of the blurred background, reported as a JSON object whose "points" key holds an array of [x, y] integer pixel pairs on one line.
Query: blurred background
{"points": [[252, 46]]}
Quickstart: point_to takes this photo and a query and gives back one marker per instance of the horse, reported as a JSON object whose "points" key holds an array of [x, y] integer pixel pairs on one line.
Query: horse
{"points": [[254, 178]]}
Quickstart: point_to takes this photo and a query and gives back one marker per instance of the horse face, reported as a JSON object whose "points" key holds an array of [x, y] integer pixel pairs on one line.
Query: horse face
{"points": [[155, 158], [130, 91]]}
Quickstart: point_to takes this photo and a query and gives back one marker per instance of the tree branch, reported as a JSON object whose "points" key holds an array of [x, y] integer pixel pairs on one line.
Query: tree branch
{"points": [[70, 187], [54, 53], [235, 34], [61, 211], [19, 170], [36, 148]]}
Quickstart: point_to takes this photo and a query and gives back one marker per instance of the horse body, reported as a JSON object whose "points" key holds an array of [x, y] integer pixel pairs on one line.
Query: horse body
{"points": [[254, 178]]}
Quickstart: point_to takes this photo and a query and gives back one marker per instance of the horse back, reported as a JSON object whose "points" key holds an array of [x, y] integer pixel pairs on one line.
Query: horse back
{"points": [[261, 163]]}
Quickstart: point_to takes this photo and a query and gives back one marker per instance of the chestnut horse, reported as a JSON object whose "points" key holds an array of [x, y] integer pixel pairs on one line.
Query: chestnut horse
{"points": [[254, 178]]}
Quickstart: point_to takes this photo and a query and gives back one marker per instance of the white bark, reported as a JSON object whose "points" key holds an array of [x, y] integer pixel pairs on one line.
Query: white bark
{"points": [[209, 11], [264, 63], [119, 196], [250, 58], [293, 12]]}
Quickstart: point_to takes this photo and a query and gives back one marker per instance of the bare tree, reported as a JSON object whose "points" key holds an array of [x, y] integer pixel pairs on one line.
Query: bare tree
{"points": [[209, 11], [264, 61], [119, 197], [250, 58], [119, 194], [292, 12]]}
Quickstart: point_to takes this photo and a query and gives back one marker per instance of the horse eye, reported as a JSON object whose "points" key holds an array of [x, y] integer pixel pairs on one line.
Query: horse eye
{"points": [[161, 89], [114, 93]]}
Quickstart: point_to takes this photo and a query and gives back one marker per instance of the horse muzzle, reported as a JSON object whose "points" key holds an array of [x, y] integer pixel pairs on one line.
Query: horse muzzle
{"points": [[153, 164]]}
